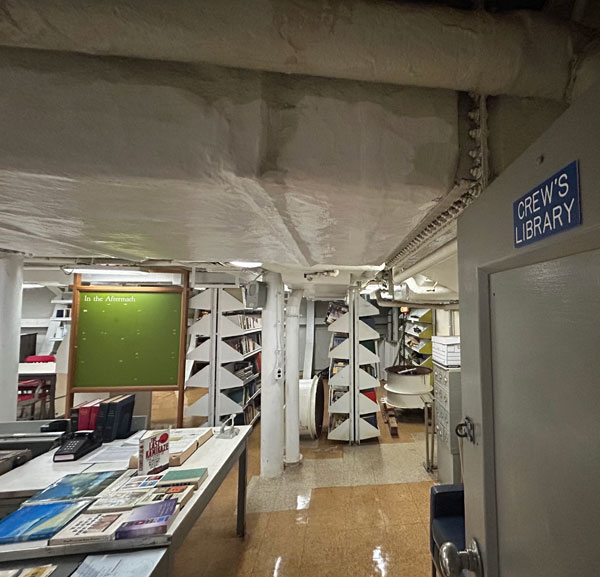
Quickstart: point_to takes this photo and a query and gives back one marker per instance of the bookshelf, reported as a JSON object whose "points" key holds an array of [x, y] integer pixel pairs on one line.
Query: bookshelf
{"points": [[224, 357], [353, 358], [417, 339], [56, 326]]}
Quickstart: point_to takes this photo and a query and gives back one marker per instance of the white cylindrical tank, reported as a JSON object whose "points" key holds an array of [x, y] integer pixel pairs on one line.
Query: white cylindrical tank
{"points": [[311, 407], [406, 384]]}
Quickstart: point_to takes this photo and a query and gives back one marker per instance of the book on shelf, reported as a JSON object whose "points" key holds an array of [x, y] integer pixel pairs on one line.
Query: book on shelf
{"points": [[77, 486], [338, 366], [38, 571], [153, 454], [337, 340], [90, 528], [335, 310], [335, 420], [40, 521], [148, 520], [181, 493], [176, 477]]}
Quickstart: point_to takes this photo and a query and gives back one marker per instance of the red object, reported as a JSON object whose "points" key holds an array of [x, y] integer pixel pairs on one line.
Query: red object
{"points": [[258, 362], [40, 359], [93, 416], [371, 394], [85, 413]]}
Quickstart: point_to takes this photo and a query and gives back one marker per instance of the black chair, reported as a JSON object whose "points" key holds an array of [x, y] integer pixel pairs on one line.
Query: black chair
{"points": [[446, 520]]}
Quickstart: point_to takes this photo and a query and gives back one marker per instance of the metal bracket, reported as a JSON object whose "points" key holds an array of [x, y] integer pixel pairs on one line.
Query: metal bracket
{"points": [[228, 433]]}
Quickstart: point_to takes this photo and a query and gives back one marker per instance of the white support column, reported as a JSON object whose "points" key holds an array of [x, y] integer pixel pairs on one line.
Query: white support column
{"points": [[292, 379], [310, 340], [271, 428], [11, 298]]}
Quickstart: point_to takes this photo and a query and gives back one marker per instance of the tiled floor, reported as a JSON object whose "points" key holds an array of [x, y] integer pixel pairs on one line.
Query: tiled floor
{"points": [[358, 511], [321, 519]]}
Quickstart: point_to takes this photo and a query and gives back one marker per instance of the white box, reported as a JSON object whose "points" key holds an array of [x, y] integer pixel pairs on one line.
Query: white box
{"points": [[446, 351]]}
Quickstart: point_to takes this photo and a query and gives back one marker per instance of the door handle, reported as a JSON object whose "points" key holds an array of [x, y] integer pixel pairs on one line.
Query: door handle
{"points": [[453, 562]]}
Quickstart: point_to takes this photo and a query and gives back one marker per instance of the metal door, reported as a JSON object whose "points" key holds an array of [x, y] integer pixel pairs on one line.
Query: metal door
{"points": [[545, 341]]}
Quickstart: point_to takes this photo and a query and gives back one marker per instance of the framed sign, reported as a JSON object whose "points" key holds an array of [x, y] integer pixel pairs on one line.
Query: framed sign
{"points": [[127, 339]]}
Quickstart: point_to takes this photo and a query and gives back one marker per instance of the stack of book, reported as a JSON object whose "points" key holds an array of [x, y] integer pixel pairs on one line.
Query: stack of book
{"points": [[97, 507], [110, 418]]}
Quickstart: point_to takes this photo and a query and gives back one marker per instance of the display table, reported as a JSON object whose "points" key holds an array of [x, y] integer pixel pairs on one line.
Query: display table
{"points": [[147, 563], [217, 455]]}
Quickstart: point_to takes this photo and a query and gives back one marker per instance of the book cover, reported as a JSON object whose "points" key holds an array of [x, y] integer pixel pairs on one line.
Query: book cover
{"points": [[182, 494], [101, 419], [149, 520], [141, 483], [176, 477], [88, 528], [39, 522], [84, 415], [109, 430], [124, 416], [41, 571], [153, 456], [182, 445], [76, 486], [93, 416], [118, 501]]}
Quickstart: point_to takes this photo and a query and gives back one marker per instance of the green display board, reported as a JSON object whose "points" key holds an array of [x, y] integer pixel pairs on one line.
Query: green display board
{"points": [[127, 339]]}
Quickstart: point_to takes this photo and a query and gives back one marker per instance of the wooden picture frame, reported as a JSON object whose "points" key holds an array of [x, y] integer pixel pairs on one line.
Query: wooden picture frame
{"points": [[78, 289]]}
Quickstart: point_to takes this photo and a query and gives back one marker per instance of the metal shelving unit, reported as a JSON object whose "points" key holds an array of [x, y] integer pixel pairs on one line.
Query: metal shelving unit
{"points": [[352, 373], [417, 338], [220, 323]]}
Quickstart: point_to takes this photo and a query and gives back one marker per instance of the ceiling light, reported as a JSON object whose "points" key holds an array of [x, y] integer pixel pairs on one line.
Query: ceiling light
{"points": [[245, 264], [32, 285], [109, 271]]}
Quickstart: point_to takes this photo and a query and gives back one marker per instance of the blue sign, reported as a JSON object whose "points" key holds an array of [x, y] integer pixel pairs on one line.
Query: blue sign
{"points": [[549, 208]]}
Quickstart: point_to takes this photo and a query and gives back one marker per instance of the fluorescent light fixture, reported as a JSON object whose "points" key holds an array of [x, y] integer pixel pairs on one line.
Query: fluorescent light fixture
{"points": [[370, 289], [245, 264], [32, 285], [110, 271]]}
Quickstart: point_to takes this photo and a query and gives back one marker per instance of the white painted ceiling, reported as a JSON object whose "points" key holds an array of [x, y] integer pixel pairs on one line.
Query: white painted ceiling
{"points": [[132, 159]]}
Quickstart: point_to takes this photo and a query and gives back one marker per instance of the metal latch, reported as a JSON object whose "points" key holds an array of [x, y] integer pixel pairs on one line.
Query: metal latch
{"points": [[466, 430]]}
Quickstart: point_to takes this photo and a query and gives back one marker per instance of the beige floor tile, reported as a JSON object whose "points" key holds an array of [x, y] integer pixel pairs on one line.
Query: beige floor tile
{"points": [[402, 513], [277, 564], [391, 494], [366, 544], [282, 520], [408, 540], [365, 516]]}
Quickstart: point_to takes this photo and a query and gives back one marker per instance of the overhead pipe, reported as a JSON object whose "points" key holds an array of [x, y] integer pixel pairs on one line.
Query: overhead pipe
{"points": [[384, 42], [292, 379], [441, 254]]}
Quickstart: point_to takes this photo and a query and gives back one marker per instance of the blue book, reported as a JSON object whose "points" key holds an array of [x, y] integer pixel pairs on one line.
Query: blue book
{"points": [[39, 522], [148, 520], [76, 486]]}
